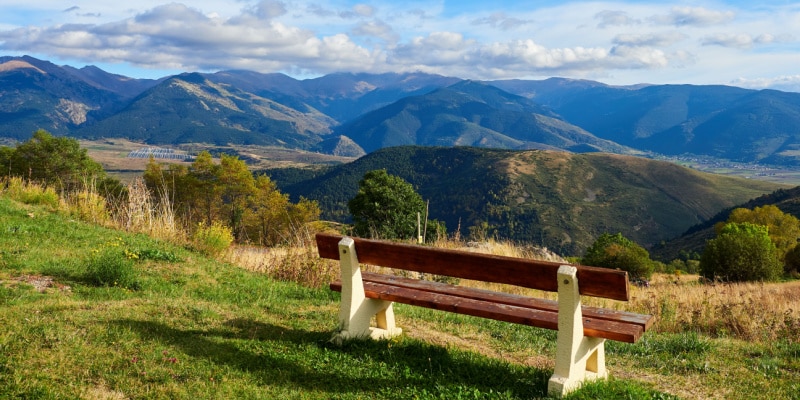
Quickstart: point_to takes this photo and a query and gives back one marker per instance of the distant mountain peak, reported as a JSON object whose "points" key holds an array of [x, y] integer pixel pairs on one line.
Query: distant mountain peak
{"points": [[18, 64]]}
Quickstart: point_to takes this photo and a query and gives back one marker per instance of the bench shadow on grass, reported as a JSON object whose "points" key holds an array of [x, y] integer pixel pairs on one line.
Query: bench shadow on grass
{"points": [[405, 368]]}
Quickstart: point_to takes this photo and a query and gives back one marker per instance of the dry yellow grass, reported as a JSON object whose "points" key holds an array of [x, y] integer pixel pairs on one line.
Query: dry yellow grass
{"points": [[748, 311], [291, 263]]}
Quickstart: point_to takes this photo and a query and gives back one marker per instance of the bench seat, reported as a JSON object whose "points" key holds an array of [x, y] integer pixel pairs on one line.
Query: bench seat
{"points": [[542, 313]]}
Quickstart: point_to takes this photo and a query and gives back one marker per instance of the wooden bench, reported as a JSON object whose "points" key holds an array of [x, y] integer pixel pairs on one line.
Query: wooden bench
{"points": [[582, 330]]}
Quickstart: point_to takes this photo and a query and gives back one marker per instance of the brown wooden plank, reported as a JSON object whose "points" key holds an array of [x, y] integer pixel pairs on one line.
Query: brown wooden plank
{"points": [[645, 321], [618, 331], [534, 274]]}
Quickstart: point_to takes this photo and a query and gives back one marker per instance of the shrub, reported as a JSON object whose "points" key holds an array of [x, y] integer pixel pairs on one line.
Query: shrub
{"points": [[31, 193], [741, 252], [618, 252], [112, 267], [212, 240]]}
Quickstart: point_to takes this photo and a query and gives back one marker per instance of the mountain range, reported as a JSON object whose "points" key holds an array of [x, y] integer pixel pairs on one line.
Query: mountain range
{"points": [[354, 114]]}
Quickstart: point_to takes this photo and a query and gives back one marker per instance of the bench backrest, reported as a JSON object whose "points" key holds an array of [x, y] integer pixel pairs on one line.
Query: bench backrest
{"points": [[534, 274]]}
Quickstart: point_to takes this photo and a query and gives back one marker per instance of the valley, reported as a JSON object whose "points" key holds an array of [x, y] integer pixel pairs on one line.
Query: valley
{"points": [[112, 154]]}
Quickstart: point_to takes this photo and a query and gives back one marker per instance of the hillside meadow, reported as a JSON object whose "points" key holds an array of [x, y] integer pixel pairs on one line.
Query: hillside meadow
{"points": [[257, 324]]}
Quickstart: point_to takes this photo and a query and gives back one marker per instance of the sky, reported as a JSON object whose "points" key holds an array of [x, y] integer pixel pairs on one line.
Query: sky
{"points": [[753, 44]]}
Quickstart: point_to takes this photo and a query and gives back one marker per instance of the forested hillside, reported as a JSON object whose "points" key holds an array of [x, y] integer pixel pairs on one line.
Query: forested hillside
{"points": [[559, 200]]}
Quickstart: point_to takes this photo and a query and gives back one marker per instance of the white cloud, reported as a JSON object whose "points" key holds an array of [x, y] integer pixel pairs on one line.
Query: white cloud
{"points": [[500, 20], [364, 10], [269, 9], [789, 83], [182, 37], [739, 41], [694, 16], [376, 29], [610, 18], [650, 39], [623, 40]]}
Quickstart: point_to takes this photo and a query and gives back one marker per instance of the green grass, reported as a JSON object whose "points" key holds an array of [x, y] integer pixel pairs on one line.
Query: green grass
{"points": [[194, 328]]}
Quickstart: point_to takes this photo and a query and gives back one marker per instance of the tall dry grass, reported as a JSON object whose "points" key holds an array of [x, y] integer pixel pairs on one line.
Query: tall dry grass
{"points": [[140, 213], [298, 261], [87, 205], [757, 312]]}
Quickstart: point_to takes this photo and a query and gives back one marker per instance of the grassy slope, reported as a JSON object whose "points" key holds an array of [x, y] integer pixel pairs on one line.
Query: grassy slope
{"points": [[204, 329]]}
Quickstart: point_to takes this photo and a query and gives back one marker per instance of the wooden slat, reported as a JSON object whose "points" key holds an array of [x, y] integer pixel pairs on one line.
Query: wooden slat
{"points": [[643, 320], [611, 330], [534, 274]]}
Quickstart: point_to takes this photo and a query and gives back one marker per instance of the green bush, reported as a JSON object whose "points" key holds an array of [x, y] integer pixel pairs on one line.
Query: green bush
{"points": [[112, 267], [212, 240], [741, 252], [618, 252]]}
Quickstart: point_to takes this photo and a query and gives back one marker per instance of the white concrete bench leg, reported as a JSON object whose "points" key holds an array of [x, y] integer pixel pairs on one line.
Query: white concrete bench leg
{"points": [[356, 312], [578, 358]]}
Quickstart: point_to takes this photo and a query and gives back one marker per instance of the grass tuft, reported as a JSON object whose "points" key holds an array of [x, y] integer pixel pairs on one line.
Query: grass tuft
{"points": [[113, 267]]}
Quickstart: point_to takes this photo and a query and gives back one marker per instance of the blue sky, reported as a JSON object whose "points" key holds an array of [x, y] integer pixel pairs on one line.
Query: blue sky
{"points": [[743, 43]]}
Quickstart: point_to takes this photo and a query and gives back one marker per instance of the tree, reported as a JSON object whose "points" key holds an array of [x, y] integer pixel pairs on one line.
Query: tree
{"points": [[784, 229], [237, 186], [618, 252], [386, 206], [172, 184], [267, 215], [741, 252], [208, 192], [204, 186], [59, 162], [55, 161]]}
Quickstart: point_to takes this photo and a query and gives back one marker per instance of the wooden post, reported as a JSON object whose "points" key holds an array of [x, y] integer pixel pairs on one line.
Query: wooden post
{"points": [[419, 227]]}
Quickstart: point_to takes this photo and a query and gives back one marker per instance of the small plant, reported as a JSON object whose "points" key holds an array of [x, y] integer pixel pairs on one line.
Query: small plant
{"points": [[212, 240], [157, 255], [111, 266]]}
